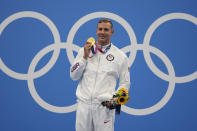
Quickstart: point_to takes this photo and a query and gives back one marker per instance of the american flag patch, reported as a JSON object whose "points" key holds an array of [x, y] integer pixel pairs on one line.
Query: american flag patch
{"points": [[75, 67]]}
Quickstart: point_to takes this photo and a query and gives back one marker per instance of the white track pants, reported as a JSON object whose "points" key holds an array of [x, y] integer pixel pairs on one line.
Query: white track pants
{"points": [[94, 117]]}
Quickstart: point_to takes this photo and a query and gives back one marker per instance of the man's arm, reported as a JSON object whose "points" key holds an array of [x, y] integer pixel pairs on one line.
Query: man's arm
{"points": [[124, 75], [124, 84], [77, 69]]}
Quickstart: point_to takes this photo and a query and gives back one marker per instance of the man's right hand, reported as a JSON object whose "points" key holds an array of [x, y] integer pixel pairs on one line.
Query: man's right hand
{"points": [[87, 48]]}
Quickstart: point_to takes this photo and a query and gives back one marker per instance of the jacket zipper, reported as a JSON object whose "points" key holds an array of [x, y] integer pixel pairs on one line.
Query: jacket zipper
{"points": [[95, 78]]}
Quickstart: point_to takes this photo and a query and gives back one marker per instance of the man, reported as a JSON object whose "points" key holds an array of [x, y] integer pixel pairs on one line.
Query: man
{"points": [[98, 74]]}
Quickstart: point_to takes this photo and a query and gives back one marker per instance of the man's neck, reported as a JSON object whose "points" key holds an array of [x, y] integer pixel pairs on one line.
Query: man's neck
{"points": [[103, 44]]}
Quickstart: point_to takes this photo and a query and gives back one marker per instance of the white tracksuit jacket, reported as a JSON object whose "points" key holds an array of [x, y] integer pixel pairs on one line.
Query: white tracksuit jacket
{"points": [[98, 75]]}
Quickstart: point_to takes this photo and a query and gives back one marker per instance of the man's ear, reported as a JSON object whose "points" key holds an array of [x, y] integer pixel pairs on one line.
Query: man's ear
{"points": [[112, 31], [96, 30]]}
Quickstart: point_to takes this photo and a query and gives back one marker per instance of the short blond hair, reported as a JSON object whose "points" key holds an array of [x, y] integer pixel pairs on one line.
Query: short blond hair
{"points": [[105, 21]]}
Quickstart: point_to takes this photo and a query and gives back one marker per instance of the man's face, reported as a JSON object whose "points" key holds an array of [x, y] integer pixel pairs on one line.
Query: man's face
{"points": [[104, 33]]}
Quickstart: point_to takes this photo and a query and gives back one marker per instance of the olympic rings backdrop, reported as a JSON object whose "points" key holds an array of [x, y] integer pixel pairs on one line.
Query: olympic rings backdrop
{"points": [[40, 39]]}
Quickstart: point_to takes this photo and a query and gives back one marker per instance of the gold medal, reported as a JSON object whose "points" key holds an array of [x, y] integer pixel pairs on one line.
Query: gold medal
{"points": [[91, 40]]}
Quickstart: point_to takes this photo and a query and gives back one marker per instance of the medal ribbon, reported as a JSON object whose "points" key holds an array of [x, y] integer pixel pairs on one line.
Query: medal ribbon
{"points": [[94, 50]]}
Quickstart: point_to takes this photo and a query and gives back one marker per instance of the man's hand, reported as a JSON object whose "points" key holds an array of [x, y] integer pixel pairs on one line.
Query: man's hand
{"points": [[108, 104], [87, 48]]}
